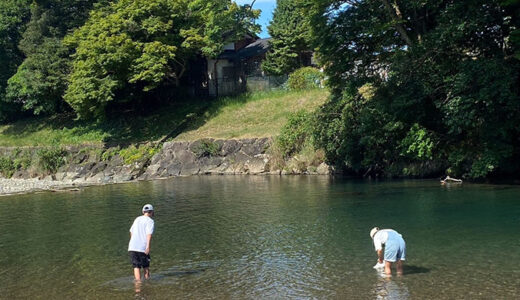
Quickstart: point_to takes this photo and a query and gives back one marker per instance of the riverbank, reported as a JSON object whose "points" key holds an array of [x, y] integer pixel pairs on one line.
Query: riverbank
{"points": [[260, 114], [23, 186], [228, 136], [78, 167]]}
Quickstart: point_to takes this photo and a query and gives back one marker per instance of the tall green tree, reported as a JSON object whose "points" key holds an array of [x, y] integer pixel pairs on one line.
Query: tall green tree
{"points": [[14, 14], [512, 11], [128, 49], [40, 82], [420, 82], [291, 36]]}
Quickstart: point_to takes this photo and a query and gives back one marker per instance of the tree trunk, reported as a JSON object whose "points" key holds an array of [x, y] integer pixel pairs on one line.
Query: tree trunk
{"points": [[396, 16]]}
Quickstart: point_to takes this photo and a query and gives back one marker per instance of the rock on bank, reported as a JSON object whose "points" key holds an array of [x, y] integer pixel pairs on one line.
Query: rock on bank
{"points": [[86, 166]]}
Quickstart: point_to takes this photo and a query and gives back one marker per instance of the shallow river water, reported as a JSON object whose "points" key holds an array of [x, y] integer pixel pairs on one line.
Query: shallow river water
{"points": [[261, 237]]}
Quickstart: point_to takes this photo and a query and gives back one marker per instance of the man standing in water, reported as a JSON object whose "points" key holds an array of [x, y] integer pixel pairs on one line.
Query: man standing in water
{"points": [[395, 248], [140, 239]]}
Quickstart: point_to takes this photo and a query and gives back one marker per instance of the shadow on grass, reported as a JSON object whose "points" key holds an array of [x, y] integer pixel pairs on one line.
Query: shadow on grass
{"points": [[157, 126], [168, 122], [131, 127]]}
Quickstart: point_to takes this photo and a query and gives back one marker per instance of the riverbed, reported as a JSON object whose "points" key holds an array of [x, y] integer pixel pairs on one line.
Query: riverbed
{"points": [[263, 237]]}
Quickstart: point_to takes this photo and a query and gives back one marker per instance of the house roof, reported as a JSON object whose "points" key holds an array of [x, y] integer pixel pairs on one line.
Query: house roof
{"points": [[256, 48]]}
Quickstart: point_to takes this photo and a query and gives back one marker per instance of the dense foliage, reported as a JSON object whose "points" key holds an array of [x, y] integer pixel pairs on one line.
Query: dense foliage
{"points": [[13, 16], [305, 78], [132, 47], [420, 81], [291, 36], [40, 81], [81, 55], [295, 133], [418, 87]]}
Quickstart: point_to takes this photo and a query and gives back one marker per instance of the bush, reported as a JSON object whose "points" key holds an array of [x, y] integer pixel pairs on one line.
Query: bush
{"points": [[207, 148], [359, 137], [134, 154], [7, 167], [276, 161], [17, 160], [305, 78], [311, 156], [109, 153], [22, 159], [51, 159], [295, 133]]}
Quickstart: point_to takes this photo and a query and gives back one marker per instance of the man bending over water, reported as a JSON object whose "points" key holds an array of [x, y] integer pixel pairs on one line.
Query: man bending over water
{"points": [[395, 248], [140, 239]]}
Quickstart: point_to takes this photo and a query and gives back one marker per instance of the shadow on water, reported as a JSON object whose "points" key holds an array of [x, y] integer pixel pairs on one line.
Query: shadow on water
{"points": [[171, 273], [411, 269], [128, 282]]}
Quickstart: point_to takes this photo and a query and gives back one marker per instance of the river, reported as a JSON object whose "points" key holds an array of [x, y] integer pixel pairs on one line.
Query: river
{"points": [[263, 237]]}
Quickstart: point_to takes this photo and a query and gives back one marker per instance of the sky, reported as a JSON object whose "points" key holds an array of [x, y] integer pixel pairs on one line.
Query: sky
{"points": [[267, 7]]}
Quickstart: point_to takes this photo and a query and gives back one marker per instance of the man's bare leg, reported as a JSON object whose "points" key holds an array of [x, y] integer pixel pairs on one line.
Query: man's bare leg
{"points": [[399, 267], [137, 286], [137, 274], [388, 269], [146, 273]]}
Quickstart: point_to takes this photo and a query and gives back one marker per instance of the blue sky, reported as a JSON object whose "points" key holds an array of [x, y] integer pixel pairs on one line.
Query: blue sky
{"points": [[267, 7]]}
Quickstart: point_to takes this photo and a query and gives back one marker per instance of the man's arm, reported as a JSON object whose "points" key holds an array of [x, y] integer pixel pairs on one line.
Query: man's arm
{"points": [[148, 243], [380, 256]]}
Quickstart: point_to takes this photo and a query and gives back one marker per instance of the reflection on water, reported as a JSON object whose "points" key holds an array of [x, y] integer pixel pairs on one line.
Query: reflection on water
{"points": [[388, 288], [254, 237]]}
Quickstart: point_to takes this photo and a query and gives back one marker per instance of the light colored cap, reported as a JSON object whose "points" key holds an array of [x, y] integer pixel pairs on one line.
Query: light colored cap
{"points": [[147, 207], [373, 231]]}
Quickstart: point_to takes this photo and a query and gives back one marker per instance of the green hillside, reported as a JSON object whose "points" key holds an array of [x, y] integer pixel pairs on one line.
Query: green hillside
{"points": [[253, 115]]}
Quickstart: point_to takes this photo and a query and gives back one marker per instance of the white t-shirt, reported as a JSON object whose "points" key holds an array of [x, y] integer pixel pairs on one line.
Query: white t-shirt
{"points": [[380, 238], [142, 226]]}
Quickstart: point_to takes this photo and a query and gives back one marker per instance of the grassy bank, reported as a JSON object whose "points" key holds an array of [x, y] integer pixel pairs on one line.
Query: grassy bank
{"points": [[253, 115], [258, 115]]}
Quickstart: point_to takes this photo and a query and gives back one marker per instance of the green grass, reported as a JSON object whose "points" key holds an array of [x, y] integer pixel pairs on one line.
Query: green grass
{"points": [[48, 132], [124, 130], [249, 115], [256, 115]]}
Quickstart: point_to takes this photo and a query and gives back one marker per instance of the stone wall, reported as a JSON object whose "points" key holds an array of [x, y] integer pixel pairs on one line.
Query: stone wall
{"points": [[223, 157], [247, 156]]}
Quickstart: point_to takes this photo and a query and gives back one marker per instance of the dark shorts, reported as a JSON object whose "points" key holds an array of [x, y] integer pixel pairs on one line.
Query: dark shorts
{"points": [[139, 259]]}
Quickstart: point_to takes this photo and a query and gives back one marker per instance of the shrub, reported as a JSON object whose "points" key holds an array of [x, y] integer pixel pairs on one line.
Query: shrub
{"points": [[7, 167], [22, 160], [310, 155], [295, 133], [134, 154], [207, 148], [109, 153], [276, 161], [418, 143], [305, 78], [17, 160], [51, 159]]}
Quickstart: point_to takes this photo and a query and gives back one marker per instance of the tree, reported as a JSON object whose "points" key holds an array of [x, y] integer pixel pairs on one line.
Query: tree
{"points": [[291, 34], [40, 82], [443, 85], [14, 14], [128, 49], [512, 11]]}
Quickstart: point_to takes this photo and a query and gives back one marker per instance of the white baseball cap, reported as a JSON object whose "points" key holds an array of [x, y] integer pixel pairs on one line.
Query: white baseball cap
{"points": [[373, 231], [147, 207]]}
